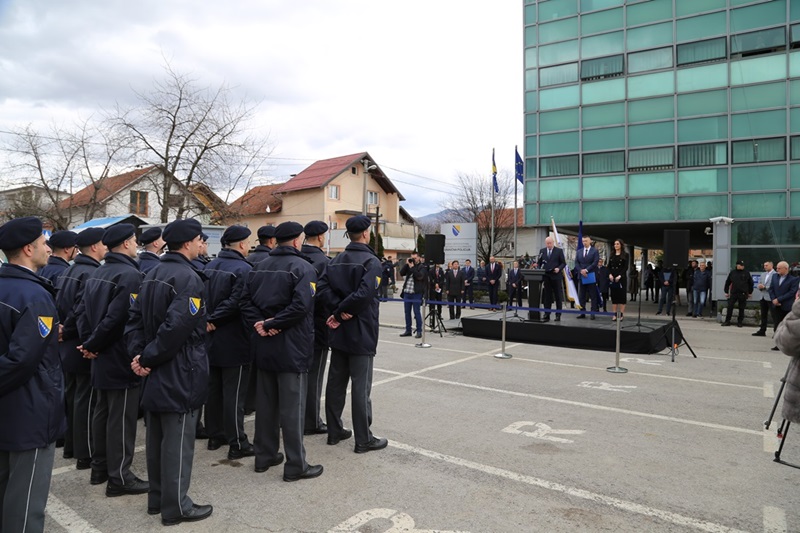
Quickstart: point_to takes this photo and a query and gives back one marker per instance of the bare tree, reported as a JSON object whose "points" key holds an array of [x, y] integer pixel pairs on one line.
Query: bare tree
{"points": [[471, 201], [197, 135]]}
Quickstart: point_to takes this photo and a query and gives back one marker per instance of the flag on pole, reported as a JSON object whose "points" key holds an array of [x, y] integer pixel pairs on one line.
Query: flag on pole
{"points": [[519, 167], [572, 292], [494, 174]]}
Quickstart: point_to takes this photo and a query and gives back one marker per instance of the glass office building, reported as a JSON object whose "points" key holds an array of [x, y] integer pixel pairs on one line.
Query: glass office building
{"points": [[661, 114]]}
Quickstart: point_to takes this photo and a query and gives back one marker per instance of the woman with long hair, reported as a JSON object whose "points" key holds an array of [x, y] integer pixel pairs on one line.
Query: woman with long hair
{"points": [[618, 278]]}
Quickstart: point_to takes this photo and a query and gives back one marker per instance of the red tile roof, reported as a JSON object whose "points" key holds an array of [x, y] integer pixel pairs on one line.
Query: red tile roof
{"points": [[106, 188], [256, 200], [503, 218]]}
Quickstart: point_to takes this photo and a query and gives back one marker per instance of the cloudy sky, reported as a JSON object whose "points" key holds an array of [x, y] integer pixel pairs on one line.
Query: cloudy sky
{"points": [[427, 87]]}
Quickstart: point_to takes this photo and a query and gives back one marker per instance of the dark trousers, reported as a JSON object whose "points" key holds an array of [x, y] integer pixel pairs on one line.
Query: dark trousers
{"points": [[778, 314], [468, 294], [665, 297], [384, 290], [24, 485], [765, 309], [280, 407], [170, 452], [454, 310], [224, 410], [412, 301], [80, 402], [358, 369], [741, 300], [114, 433], [493, 292], [514, 295], [589, 292], [551, 289], [316, 373]]}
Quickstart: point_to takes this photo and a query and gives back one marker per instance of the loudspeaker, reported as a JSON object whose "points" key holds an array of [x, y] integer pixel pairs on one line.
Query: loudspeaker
{"points": [[434, 248], [676, 247]]}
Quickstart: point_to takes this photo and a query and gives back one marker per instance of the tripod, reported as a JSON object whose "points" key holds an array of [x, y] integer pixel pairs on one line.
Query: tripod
{"points": [[673, 330], [518, 298], [437, 326], [639, 324]]}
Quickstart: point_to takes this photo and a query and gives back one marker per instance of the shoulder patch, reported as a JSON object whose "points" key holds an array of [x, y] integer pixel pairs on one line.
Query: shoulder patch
{"points": [[45, 325], [313, 288], [133, 297], [194, 305], [377, 281]]}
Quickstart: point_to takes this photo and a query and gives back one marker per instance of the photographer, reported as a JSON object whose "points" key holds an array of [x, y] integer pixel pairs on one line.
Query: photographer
{"points": [[415, 281]]}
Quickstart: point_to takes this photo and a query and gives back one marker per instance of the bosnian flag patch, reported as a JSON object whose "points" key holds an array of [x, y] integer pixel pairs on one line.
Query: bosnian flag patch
{"points": [[45, 325], [194, 305]]}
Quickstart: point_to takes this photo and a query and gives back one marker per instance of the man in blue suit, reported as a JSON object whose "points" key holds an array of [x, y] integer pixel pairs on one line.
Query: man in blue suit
{"points": [[552, 260], [586, 260], [514, 285], [494, 273], [469, 277], [782, 291]]}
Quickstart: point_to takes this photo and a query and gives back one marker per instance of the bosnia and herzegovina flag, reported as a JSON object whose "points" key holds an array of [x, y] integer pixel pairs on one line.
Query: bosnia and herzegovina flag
{"points": [[519, 167], [494, 174]]}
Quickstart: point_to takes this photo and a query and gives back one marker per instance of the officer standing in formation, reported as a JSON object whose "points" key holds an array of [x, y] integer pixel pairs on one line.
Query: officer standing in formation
{"points": [[315, 232], [69, 291], [31, 379], [102, 315], [228, 343], [166, 331], [266, 242], [62, 244], [349, 291], [153, 246]]}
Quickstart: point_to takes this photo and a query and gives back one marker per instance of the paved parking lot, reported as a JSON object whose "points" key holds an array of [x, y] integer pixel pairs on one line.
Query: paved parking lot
{"points": [[545, 441]]}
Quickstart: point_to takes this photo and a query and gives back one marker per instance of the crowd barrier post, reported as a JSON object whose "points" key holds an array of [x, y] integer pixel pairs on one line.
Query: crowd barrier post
{"points": [[422, 343], [616, 369], [503, 354]]}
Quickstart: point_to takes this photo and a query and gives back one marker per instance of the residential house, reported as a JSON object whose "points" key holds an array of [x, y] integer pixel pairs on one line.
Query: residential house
{"points": [[29, 200]]}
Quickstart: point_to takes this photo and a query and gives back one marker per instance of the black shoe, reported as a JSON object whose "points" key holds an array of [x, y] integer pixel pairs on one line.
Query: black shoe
{"points": [[275, 462], [321, 430], [60, 443], [592, 317], [200, 433], [153, 510], [98, 477], [775, 348], [68, 455], [310, 472], [244, 450], [581, 316], [725, 324], [196, 513], [377, 443], [760, 333], [335, 439], [558, 318], [658, 312], [688, 314], [83, 464], [738, 325], [137, 486], [546, 319], [215, 444], [418, 336]]}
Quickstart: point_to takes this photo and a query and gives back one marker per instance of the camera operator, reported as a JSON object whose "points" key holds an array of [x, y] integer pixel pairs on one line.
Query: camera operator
{"points": [[415, 276]]}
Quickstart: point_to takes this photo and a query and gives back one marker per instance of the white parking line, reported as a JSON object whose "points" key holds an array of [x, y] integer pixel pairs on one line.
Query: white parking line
{"points": [[769, 389], [775, 520], [771, 441], [617, 503], [67, 518], [436, 348]]}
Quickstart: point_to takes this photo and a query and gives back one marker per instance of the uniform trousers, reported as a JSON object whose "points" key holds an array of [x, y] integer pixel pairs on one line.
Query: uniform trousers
{"points": [[170, 451], [316, 373], [741, 300], [345, 367], [24, 485], [80, 400], [552, 289], [114, 433], [224, 410], [281, 405]]}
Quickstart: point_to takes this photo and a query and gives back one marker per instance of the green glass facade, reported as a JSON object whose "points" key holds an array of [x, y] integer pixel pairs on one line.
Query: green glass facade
{"points": [[663, 112]]}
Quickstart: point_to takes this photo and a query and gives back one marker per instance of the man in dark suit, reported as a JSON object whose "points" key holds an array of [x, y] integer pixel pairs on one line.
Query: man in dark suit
{"points": [[552, 260], [454, 284], [436, 292], [469, 278], [514, 285], [494, 273], [782, 291], [586, 260]]}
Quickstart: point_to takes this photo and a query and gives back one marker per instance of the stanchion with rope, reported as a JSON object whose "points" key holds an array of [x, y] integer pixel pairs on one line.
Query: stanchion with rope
{"points": [[616, 369], [503, 354], [422, 343]]}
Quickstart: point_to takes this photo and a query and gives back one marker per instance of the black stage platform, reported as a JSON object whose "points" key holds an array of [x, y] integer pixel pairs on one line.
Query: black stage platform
{"points": [[598, 334]]}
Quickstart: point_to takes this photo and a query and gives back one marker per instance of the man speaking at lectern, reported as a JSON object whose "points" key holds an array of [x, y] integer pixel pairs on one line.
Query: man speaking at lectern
{"points": [[552, 261]]}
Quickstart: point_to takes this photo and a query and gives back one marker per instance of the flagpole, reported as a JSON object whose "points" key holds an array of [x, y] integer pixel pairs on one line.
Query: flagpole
{"points": [[516, 255], [491, 239]]}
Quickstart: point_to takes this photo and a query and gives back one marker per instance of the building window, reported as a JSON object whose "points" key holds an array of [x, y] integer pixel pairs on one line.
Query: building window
{"points": [[604, 67], [702, 155], [758, 150], [651, 159], [794, 35], [650, 60], [559, 166], [372, 198], [558, 75], [795, 148], [138, 203], [702, 51], [758, 42], [334, 225], [604, 163], [333, 191]]}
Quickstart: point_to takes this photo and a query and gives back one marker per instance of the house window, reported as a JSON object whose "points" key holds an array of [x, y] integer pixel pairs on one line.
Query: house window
{"points": [[372, 198], [334, 225], [138, 203], [333, 192]]}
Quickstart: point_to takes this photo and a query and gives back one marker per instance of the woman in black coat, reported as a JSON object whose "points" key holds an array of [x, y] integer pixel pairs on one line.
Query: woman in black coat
{"points": [[618, 278]]}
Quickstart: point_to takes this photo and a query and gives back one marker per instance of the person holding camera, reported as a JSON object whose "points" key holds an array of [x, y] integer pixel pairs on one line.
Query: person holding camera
{"points": [[414, 284]]}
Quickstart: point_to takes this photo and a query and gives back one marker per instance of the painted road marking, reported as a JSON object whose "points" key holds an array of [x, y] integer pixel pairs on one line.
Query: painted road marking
{"points": [[602, 385], [775, 520], [771, 441], [654, 362], [769, 390], [67, 518], [543, 431], [401, 523]]}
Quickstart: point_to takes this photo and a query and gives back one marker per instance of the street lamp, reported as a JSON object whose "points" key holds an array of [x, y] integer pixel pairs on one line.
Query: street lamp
{"points": [[367, 168]]}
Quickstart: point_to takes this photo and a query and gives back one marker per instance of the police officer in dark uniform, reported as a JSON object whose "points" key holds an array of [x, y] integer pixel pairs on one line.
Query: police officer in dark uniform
{"points": [[266, 242], [69, 291], [166, 332], [62, 243], [315, 239], [31, 379], [349, 289], [202, 260], [278, 303], [229, 354], [153, 245], [107, 298]]}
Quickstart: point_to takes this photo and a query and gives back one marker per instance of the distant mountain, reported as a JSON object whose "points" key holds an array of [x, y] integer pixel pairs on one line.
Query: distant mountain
{"points": [[431, 223]]}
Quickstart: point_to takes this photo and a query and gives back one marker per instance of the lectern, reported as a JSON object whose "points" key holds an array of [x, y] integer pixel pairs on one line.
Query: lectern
{"points": [[534, 277]]}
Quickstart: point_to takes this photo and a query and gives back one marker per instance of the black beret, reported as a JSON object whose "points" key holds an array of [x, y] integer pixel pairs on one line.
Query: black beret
{"points": [[90, 236], [203, 236], [63, 239], [287, 231], [180, 231], [740, 262], [266, 232], [149, 235], [234, 234], [314, 228], [19, 232], [357, 223], [117, 234]]}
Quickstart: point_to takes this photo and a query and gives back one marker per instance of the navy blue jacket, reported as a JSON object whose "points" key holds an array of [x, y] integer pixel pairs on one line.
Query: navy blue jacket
{"points": [[107, 299], [148, 261], [260, 253], [588, 262], [200, 262], [282, 288], [469, 275], [701, 280], [69, 291], [515, 278], [549, 264], [495, 273], [320, 262], [784, 292], [167, 327], [54, 268], [229, 344], [32, 411], [350, 285]]}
